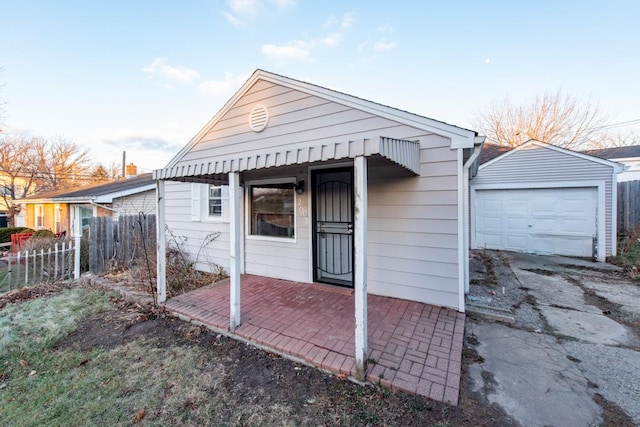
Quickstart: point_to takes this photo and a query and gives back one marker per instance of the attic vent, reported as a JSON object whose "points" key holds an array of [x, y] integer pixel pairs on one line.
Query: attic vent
{"points": [[258, 118]]}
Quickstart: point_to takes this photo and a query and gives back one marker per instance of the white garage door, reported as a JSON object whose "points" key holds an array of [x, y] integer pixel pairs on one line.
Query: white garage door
{"points": [[545, 221]]}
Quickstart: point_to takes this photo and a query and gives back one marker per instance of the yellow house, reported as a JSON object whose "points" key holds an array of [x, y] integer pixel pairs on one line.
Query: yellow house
{"points": [[70, 211]]}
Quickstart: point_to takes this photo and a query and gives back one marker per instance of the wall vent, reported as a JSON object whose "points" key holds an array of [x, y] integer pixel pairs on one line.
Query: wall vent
{"points": [[258, 118]]}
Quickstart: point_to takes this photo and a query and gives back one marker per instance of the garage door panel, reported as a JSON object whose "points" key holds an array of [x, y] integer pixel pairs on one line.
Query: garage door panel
{"points": [[545, 225], [518, 224], [516, 206], [542, 206], [581, 226], [515, 243], [546, 221], [492, 206]]}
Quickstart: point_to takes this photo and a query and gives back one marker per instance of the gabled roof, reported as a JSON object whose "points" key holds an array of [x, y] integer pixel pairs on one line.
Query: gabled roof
{"points": [[616, 152], [97, 193], [491, 151], [460, 137], [532, 142]]}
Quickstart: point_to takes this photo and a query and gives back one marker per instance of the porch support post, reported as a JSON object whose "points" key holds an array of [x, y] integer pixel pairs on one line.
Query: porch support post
{"points": [[235, 217], [360, 249], [161, 244], [76, 259]]}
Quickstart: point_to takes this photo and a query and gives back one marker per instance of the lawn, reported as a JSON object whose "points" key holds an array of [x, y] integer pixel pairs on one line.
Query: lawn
{"points": [[82, 356]]}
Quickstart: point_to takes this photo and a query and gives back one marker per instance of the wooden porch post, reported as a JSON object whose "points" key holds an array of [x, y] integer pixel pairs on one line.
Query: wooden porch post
{"points": [[235, 218], [360, 249], [161, 245]]}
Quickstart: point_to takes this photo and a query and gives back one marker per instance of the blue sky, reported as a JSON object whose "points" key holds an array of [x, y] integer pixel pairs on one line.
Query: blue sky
{"points": [[145, 76]]}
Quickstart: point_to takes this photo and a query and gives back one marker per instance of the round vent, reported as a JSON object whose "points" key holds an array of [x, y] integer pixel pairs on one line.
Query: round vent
{"points": [[258, 118]]}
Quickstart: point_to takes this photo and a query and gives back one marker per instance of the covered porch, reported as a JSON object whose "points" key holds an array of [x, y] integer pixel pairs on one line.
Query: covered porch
{"points": [[413, 347]]}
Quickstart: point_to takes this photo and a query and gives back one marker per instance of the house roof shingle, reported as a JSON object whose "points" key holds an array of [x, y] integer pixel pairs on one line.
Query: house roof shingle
{"points": [[616, 152], [491, 151], [95, 190]]}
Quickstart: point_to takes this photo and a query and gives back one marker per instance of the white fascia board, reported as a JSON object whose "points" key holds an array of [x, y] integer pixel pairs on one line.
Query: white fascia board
{"points": [[460, 138], [108, 197], [212, 122], [80, 200]]}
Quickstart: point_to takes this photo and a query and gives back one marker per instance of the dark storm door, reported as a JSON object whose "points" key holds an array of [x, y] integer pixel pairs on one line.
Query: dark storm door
{"points": [[333, 226]]}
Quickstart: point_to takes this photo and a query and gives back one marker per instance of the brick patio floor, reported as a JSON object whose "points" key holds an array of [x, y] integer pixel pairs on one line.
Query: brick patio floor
{"points": [[413, 347]]}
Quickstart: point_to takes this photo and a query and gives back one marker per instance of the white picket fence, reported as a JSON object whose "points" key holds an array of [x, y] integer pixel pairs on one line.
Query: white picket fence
{"points": [[39, 266]]}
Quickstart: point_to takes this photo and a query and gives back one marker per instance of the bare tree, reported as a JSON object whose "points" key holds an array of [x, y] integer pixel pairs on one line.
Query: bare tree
{"points": [[3, 112], [17, 175], [99, 174], [60, 164], [556, 118], [617, 139]]}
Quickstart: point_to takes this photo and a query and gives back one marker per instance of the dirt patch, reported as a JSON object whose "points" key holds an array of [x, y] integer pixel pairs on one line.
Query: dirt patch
{"points": [[33, 292], [612, 414], [489, 269], [540, 271], [265, 379]]}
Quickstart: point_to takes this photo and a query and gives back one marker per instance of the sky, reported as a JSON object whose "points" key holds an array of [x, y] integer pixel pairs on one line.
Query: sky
{"points": [[145, 76]]}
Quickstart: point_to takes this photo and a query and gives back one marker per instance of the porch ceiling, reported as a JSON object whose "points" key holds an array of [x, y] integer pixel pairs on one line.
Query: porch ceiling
{"points": [[404, 153]]}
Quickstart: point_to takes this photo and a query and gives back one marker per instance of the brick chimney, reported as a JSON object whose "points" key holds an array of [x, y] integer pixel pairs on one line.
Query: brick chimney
{"points": [[132, 170]]}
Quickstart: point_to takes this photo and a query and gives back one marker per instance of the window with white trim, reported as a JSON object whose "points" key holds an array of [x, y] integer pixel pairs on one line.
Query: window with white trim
{"points": [[209, 202], [272, 210], [215, 201], [39, 216]]}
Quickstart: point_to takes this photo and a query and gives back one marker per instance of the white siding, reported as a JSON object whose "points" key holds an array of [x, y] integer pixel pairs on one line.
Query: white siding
{"points": [[536, 165], [412, 223], [194, 236], [412, 247], [144, 202]]}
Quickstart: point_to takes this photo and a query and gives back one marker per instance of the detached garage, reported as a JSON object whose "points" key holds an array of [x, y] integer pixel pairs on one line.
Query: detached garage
{"points": [[543, 199]]}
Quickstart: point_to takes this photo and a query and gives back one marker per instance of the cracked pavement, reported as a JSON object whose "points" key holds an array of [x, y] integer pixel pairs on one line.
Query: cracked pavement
{"points": [[566, 344]]}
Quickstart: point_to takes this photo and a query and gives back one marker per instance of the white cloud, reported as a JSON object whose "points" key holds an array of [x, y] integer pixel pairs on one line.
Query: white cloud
{"points": [[362, 46], [281, 4], [242, 10], [347, 20], [244, 7], [160, 67], [331, 39], [234, 20], [298, 50], [230, 83], [385, 29], [180, 74], [383, 45]]}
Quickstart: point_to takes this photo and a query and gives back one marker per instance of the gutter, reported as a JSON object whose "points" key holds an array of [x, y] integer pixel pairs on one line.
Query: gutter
{"points": [[466, 229], [92, 203]]}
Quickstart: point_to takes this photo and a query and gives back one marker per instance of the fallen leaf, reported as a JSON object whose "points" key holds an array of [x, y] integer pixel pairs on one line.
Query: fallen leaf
{"points": [[84, 362], [342, 376], [139, 416], [23, 363], [32, 373]]}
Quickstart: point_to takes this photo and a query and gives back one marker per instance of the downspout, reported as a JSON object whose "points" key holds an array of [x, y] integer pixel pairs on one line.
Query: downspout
{"points": [[477, 149]]}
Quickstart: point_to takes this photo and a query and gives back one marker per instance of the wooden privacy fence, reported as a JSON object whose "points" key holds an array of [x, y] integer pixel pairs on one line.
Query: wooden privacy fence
{"points": [[38, 266], [628, 206], [121, 242]]}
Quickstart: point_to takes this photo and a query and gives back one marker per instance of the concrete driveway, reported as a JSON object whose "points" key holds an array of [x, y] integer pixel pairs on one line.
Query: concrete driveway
{"points": [[565, 350]]}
